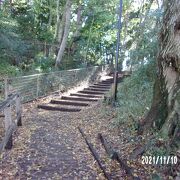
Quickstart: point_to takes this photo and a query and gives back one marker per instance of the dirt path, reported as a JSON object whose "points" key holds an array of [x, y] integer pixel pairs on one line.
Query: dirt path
{"points": [[49, 145], [50, 149]]}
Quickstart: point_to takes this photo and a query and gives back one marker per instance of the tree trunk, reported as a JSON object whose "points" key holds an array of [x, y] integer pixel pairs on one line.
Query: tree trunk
{"points": [[88, 41], [60, 23], [165, 110], [79, 21], [61, 28], [66, 32], [57, 20], [76, 35]]}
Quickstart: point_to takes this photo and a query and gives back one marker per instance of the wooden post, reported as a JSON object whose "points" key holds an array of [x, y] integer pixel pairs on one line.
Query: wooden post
{"points": [[6, 88], [102, 68], [37, 91], [115, 86], [60, 82], [8, 123], [75, 77], [18, 110]]}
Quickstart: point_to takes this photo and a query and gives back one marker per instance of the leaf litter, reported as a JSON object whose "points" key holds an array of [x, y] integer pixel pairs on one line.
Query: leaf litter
{"points": [[49, 146]]}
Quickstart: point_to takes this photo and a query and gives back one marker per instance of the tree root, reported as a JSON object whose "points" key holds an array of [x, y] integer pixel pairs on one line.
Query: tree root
{"points": [[115, 156]]}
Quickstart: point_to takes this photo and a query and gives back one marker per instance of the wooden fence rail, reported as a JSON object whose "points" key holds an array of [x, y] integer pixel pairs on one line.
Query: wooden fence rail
{"points": [[10, 124], [25, 88], [38, 85]]}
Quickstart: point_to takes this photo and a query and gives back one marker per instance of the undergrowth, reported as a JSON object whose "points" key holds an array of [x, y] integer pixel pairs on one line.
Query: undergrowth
{"points": [[135, 95]]}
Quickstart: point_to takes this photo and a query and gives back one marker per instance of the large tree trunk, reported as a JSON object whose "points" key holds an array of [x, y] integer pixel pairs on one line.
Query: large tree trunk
{"points": [[89, 38], [60, 23], [61, 27], [57, 20], [165, 110], [65, 34], [76, 35]]}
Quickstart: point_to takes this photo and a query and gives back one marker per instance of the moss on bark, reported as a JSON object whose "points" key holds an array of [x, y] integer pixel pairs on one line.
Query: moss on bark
{"points": [[165, 110]]}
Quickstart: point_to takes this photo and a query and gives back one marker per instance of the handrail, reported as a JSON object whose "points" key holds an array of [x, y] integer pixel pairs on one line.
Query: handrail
{"points": [[10, 124], [8, 101], [38, 85], [54, 72]]}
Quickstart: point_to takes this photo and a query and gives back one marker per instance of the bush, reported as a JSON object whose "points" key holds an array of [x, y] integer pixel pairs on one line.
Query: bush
{"points": [[135, 95], [8, 70], [42, 64]]}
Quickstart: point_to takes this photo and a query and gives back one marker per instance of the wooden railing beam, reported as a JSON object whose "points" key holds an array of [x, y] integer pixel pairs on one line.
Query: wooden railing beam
{"points": [[10, 124]]}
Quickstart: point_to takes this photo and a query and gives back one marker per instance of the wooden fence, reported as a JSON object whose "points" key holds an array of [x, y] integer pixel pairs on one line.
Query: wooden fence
{"points": [[1, 89], [10, 124], [25, 88], [38, 85]]}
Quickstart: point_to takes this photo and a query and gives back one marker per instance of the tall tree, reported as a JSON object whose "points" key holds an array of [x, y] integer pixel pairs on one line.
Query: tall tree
{"points": [[76, 34], [65, 32], [165, 110]]}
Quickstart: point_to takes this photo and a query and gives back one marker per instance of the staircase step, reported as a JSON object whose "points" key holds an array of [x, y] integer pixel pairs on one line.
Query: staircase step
{"points": [[102, 85], [105, 83], [78, 98], [91, 92], [68, 103], [109, 82], [96, 89], [109, 79], [99, 87], [85, 95], [55, 108]]}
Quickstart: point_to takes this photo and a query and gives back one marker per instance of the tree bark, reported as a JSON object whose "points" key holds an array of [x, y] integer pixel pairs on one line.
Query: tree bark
{"points": [[61, 28], [165, 110], [76, 35], [60, 23], [88, 41], [57, 20], [65, 34]]}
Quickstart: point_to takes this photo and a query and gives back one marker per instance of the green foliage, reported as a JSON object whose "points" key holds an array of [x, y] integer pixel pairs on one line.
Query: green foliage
{"points": [[155, 149], [8, 70], [140, 32], [135, 95], [16, 46], [15, 52], [41, 11], [89, 43], [44, 64], [26, 20]]}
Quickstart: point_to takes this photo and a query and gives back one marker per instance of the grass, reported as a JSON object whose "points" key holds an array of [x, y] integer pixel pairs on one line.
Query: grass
{"points": [[135, 95]]}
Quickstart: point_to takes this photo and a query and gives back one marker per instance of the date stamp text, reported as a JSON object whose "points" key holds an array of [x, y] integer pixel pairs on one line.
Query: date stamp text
{"points": [[159, 160]]}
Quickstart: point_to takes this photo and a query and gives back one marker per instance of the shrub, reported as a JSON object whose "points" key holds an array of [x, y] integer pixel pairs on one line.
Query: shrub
{"points": [[135, 95], [8, 70]]}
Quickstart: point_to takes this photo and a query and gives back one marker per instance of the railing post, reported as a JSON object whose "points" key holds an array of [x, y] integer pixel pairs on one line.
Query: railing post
{"points": [[18, 110], [8, 123], [37, 92], [102, 68], [76, 77], [6, 88]]}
